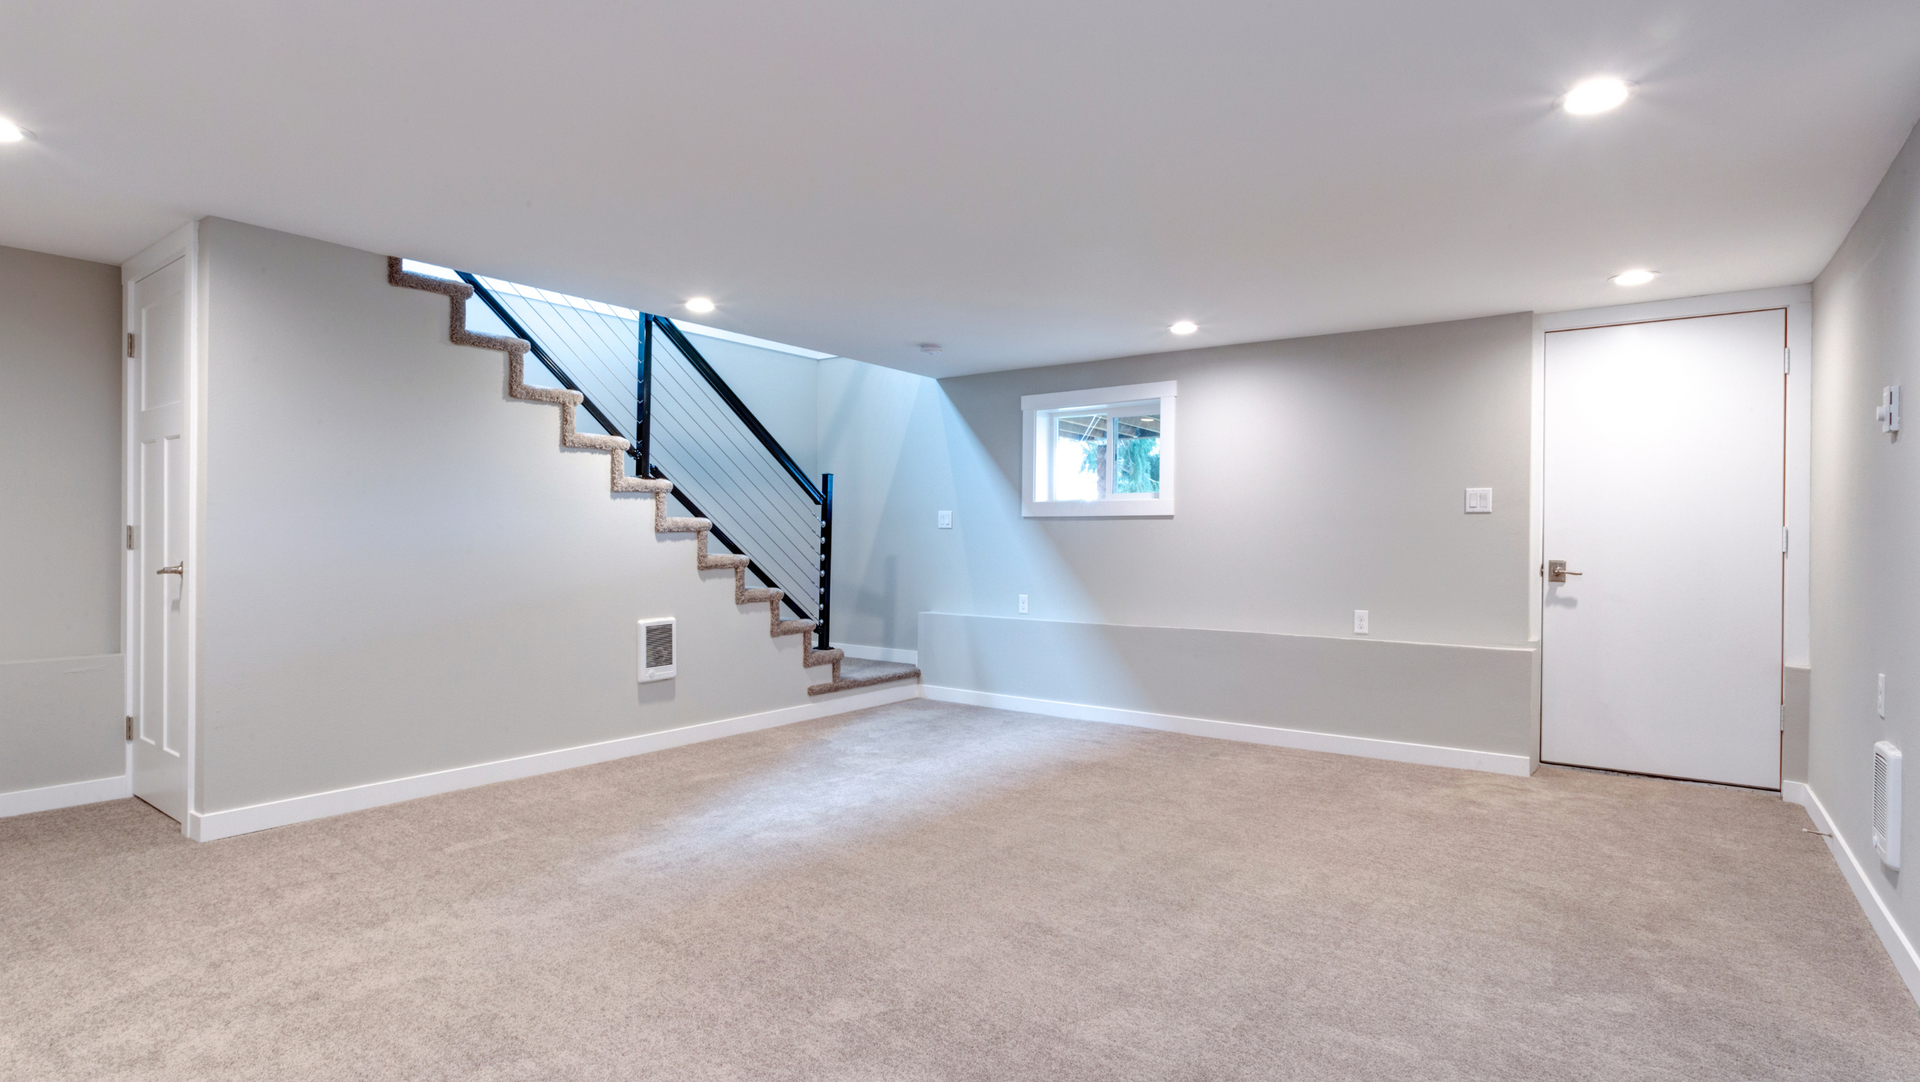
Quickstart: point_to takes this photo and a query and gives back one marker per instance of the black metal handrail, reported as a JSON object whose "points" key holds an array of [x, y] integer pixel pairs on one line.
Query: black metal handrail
{"points": [[640, 450], [720, 535], [732, 400], [533, 344], [822, 496], [826, 556]]}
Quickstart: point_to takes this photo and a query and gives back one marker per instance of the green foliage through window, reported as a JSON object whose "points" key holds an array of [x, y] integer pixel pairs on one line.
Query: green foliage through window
{"points": [[1137, 465]]}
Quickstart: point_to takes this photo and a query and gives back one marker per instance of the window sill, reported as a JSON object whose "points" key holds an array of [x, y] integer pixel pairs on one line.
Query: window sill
{"points": [[1160, 508]]}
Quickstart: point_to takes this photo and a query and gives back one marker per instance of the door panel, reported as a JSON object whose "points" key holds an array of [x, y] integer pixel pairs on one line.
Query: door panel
{"points": [[1665, 490], [163, 472]]}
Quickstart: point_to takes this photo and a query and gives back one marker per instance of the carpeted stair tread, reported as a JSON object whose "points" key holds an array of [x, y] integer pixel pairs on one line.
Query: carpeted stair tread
{"points": [[457, 294], [859, 672]]}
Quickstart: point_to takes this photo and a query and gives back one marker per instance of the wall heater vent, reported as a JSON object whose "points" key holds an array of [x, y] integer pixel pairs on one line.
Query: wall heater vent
{"points": [[1886, 803], [656, 650]]}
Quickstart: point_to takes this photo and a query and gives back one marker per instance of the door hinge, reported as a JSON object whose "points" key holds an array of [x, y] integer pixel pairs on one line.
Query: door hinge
{"points": [[1783, 717], [1786, 359], [1783, 540], [129, 343], [129, 726], [129, 539]]}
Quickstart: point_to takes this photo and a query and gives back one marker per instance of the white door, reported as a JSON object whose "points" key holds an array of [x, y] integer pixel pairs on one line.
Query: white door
{"points": [[1665, 447], [158, 304]]}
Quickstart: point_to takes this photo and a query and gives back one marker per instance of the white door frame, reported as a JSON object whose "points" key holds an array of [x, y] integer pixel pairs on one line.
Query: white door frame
{"points": [[1798, 301], [182, 242]]}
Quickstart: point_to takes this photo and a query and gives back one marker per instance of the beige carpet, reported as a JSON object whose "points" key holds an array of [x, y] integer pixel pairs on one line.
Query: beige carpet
{"points": [[925, 891]]}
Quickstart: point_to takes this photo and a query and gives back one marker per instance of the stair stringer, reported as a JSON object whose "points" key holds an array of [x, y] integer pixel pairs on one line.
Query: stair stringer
{"points": [[457, 294]]}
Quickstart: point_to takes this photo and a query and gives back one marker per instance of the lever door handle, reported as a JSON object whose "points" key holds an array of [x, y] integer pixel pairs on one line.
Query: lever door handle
{"points": [[177, 569], [1557, 571]]}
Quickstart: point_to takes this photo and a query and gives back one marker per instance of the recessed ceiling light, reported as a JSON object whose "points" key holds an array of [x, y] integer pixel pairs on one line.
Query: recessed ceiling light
{"points": [[700, 305], [11, 132], [1633, 278], [1185, 326], [1594, 96]]}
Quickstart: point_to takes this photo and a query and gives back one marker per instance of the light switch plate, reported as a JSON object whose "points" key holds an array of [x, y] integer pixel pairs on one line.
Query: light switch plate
{"points": [[1359, 621], [946, 520], [1479, 501], [1023, 602]]}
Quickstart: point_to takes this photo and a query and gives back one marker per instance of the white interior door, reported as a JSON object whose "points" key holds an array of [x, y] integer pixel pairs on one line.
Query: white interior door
{"points": [[1665, 490], [158, 307]]}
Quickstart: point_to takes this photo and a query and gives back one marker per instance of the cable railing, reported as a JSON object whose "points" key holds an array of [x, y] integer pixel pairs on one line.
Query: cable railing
{"points": [[642, 378], [713, 448]]}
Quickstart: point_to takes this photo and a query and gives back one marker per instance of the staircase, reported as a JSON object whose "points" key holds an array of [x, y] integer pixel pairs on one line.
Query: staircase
{"points": [[647, 477]]}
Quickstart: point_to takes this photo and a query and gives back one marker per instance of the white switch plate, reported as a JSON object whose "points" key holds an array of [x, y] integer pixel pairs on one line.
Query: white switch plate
{"points": [[1479, 501], [1359, 621], [1880, 696], [1023, 602], [946, 520]]}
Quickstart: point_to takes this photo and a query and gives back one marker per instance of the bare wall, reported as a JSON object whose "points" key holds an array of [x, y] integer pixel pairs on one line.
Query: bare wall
{"points": [[1866, 522], [1317, 476], [60, 521], [403, 572]]}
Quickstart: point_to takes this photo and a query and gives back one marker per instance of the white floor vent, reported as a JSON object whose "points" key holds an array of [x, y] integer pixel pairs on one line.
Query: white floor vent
{"points": [[656, 650], [1886, 803]]}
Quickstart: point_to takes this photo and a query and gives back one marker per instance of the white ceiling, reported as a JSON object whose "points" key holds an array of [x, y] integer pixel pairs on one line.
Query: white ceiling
{"points": [[1022, 182]]}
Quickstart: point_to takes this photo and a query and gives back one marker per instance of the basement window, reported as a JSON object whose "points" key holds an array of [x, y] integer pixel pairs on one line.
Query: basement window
{"points": [[1100, 453]]}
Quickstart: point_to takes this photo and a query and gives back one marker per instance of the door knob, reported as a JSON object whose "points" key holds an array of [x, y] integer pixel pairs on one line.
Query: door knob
{"points": [[1557, 571], [177, 569]]}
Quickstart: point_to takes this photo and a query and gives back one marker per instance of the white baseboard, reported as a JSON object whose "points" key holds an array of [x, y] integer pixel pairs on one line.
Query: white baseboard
{"points": [[225, 824], [1366, 747], [880, 653], [1892, 936], [72, 794]]}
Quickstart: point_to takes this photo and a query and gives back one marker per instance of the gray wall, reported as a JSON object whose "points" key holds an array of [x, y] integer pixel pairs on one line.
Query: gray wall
{"points": [[1316, 476], [1795, 719], [403, 572], [60, 521], [782, 390], [1474, 698], [1866, 521]]}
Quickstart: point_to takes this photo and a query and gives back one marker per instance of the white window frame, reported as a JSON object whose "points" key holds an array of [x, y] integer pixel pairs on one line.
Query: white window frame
{"points": [[1036, 411]]}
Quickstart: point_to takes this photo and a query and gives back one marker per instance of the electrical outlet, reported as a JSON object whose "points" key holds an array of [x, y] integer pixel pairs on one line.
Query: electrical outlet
{"points": [[1023, 602], [946, 520], [1359, 621], [1880, 696]]}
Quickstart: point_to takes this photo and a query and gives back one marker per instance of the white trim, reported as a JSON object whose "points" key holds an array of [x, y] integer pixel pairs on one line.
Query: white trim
{"points": [[1892, 937], [1096, 397], [1712, 304], [879, 653], [70, 795], [276, 813], [1537, 486], [1365, 747], [1035, 407], [182, 243]]}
